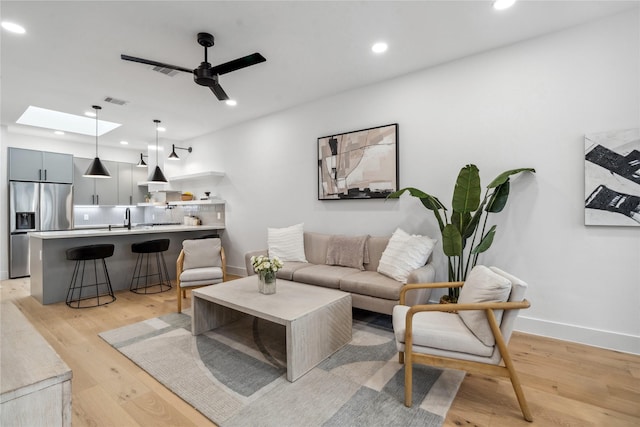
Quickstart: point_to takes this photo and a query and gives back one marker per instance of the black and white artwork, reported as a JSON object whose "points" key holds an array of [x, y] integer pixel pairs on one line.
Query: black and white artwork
{"points": [[358, 165], [612, 178]]}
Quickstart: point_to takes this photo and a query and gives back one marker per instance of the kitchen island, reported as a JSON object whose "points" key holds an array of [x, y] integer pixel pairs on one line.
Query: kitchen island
{"points": [[51, 271]]}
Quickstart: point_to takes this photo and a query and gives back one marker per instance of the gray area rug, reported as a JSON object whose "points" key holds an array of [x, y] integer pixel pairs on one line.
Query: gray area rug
{"points": [[236, 375]]}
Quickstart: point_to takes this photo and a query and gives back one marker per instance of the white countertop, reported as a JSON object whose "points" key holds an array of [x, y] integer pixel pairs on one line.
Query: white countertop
{"points": [[105, 232]]}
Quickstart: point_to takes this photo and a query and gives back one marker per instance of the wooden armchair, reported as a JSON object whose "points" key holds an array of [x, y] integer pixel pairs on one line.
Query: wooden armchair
{"points": [[439, 334], [201, 262]]}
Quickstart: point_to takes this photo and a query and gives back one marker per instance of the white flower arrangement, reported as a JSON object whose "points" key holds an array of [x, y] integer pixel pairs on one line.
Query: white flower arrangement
{"points": [[262, 264]]}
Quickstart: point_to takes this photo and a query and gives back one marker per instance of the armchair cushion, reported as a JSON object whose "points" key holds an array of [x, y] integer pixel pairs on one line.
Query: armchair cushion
{"points": [[483, 285], [405, 253], [438, 330], [201, 253], [287, 243], [200, 274]]}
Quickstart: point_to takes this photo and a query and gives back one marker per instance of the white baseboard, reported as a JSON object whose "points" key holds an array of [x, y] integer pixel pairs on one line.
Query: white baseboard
{"points": [[4, 275], [594, 337]]}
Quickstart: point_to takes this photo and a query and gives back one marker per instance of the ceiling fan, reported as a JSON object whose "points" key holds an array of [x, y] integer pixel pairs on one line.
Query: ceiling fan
{"points": [[205, 74]]}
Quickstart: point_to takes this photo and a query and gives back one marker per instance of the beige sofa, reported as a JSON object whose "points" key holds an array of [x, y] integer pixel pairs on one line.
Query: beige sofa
{"points": [[369, 289]]}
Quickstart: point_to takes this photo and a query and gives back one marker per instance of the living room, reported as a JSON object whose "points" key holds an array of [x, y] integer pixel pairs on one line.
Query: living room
{"points": [[528, 104]]}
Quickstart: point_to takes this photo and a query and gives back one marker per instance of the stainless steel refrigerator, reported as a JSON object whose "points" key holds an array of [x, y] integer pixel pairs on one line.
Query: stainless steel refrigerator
{"points": [[35, 206]]}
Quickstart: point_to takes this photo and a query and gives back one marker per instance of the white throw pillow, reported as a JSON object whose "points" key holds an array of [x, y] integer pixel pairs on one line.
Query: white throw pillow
{"points": [[287, 243], [483, 285], [403, 254]]}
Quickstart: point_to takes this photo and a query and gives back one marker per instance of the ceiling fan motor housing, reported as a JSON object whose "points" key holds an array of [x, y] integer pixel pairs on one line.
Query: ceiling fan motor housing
{"points": [[203, 75]]}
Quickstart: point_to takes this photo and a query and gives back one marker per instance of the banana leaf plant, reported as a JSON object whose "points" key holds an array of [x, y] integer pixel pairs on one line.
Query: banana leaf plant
{"points": [[468, 219]]}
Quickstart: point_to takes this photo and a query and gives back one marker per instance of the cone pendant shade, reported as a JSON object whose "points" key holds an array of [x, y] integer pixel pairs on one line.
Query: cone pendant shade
{"points": [[157, 176], [97, 170]]}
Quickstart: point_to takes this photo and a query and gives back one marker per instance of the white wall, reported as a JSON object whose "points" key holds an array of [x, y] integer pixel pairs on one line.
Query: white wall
{"points": [[527, 105]]}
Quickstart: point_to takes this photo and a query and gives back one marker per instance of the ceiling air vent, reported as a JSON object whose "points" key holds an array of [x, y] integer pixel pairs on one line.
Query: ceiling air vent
{"points": [[115, 101], [164, 70]]}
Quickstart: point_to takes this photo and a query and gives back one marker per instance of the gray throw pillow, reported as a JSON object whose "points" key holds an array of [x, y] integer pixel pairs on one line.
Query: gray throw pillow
{"points": [[201, 253]]}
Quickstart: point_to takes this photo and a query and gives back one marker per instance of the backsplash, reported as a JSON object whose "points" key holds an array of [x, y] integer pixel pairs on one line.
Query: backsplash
{"points": [[87, 216]]}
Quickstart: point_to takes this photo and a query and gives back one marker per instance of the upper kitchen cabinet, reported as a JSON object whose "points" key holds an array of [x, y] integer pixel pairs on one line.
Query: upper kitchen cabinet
{"points": [[41, 166], [94, 191], [129, 193]]}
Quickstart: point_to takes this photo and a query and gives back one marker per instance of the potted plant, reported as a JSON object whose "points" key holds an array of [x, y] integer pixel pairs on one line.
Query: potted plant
{"points": [[468, 210]]}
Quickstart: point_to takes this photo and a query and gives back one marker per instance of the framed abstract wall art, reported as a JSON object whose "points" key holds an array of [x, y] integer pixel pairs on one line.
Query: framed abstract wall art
{"points": [[362, 164], [612, 178]]}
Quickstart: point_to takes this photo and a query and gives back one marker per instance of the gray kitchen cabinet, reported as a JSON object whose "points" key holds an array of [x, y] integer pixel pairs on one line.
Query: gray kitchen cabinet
{"points": [[139, 192], [41, 166], [94, 191], [128, 191]]}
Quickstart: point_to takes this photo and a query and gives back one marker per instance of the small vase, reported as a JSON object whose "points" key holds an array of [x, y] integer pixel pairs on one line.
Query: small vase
{"points": [[267, 282]]}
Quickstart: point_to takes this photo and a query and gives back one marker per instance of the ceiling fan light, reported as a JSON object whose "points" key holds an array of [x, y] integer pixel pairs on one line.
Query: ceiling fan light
{"points": [[97, 170]]}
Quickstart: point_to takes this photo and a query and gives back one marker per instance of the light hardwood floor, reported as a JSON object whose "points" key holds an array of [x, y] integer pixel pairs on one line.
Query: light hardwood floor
{"points": [[566, 384]]}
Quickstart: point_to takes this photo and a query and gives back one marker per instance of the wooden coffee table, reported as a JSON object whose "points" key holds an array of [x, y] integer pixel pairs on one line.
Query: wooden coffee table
{"points": [[317, 320]]}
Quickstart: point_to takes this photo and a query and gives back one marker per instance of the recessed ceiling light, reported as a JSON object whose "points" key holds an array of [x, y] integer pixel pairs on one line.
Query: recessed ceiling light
{"points": [[89, 114], [50, 119], [231, 102], [124, 142], [503, 4], [13, 27], [58, 132], [379, 47], [162, 129]]}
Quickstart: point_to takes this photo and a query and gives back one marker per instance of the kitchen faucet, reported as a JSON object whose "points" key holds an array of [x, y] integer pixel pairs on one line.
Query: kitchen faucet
{"points": [[127, 218]]}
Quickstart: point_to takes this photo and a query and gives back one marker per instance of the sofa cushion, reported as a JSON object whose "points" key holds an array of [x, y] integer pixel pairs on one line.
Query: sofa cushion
{"points": [[483, 285], [286, 243], [200, 253], [405, 253], [315, 247], [373, 284], [323, 275], [451, 333], [347, 251], [287, 270], [375, 247]]}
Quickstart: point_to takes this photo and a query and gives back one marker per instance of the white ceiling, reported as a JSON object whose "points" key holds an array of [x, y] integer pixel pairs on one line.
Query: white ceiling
{"points": [[69, 58]]}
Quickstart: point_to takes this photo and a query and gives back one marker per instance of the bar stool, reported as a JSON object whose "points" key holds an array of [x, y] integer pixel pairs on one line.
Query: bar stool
{"points": [[81, 255], [144, 250]]}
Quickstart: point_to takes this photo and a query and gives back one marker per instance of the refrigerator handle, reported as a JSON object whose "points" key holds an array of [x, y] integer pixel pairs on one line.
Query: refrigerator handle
{"points": [[130, 200], [93, 199], [97, 199], [40, 174], [45, 174]]}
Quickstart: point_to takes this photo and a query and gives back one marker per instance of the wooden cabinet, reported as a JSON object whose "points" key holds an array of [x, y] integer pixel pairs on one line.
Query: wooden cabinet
{"points": [[94, 191], [42, 166]]}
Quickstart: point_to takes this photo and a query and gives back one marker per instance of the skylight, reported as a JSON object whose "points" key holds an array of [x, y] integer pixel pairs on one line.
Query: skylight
{"points": [[50, 119]]}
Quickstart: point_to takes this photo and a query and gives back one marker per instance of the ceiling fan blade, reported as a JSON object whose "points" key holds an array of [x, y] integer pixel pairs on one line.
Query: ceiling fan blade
{"points": [[219, 92], [154, 63], [236, 64]]}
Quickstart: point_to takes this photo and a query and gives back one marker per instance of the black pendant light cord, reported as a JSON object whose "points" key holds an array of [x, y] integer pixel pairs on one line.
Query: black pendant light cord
{"points": [[97, 108]]}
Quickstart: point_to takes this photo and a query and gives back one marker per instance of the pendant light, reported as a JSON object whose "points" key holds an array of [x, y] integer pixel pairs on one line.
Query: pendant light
{"points": [[142, 163], [96, 168], [157, 175]]}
